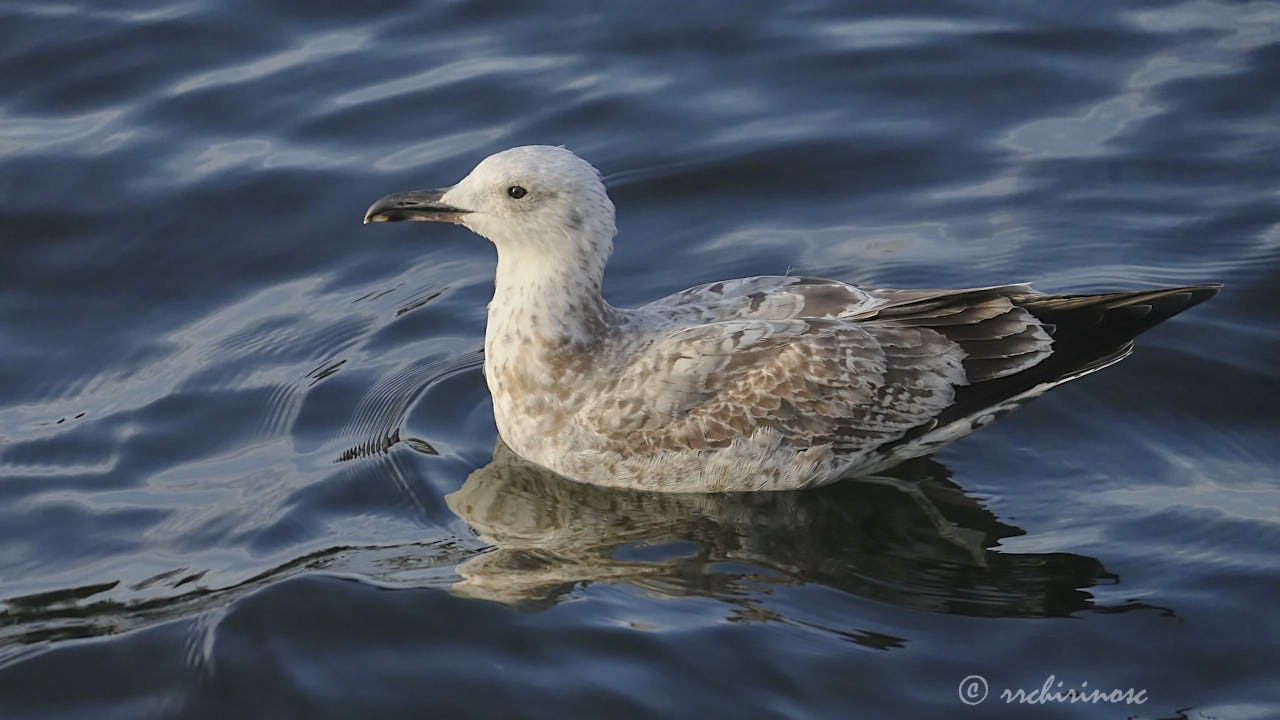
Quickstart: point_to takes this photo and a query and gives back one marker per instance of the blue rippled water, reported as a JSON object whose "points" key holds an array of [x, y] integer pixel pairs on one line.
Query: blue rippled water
{"points": [[247, 457]]}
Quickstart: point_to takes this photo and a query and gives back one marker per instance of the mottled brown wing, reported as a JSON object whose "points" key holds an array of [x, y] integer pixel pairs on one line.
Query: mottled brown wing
{"points": [[815, 381], [893, 367]]}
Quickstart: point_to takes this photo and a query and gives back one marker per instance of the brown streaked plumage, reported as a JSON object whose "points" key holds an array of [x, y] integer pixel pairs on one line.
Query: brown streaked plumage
{"points": [[761, 383]]}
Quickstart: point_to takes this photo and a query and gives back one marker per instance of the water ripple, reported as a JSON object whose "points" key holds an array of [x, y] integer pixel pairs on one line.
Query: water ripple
{"points": [[312, 50]]}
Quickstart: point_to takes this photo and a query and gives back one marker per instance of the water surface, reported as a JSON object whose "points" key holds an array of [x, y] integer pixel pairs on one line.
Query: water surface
{"points": [[247, 457]]}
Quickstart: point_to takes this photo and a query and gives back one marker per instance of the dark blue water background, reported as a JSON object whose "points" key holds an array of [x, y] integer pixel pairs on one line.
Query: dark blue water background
{"points": [[247, 462]]}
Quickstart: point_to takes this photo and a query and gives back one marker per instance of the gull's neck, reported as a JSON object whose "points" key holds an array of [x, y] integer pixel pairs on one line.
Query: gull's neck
{"points": [[548, 326], [543, 300]]}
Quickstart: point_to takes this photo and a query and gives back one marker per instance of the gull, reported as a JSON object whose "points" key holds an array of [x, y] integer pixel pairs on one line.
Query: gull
{"points": [[758, 383]]}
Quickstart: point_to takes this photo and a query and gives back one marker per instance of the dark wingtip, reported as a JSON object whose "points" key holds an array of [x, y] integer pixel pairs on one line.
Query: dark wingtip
{"points": [[1190, 296], [1204, 290]]}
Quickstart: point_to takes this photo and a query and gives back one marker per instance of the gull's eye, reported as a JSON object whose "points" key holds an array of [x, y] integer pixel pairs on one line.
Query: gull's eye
{"points": [[517, 192]]}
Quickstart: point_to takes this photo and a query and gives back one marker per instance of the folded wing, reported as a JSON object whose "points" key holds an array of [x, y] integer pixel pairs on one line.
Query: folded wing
{"points": [[880, 367]]}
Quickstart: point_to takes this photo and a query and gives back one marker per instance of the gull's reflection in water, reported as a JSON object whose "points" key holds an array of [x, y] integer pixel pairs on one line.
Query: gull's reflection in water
{"points": [[928, 549]]}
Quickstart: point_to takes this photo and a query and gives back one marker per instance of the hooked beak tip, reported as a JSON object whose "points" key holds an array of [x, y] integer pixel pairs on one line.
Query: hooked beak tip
{"points": [[413, 205]]}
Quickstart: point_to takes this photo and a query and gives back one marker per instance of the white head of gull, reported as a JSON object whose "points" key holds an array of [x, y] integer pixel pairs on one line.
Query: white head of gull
{"points": [[761, 383]]}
